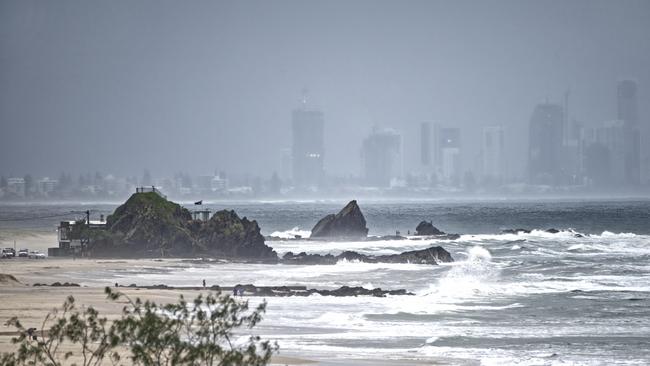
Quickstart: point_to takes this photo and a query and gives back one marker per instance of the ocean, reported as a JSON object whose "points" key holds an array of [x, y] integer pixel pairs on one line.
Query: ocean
{"points": [[577, 297]]}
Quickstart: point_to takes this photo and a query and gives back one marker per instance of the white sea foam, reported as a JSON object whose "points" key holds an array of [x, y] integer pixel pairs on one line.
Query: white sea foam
{"points": [[291, 234]]}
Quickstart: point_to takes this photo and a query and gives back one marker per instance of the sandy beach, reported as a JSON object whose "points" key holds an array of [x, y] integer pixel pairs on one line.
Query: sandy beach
{"points": [[32, 303]]}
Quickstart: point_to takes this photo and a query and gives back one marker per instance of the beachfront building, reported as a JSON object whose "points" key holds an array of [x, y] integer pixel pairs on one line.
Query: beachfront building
{"points": [[16, 187]]}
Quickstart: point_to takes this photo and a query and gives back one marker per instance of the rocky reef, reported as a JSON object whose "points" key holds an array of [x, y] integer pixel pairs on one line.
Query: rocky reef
{"points": [[148, 225], [348, 223], [425, 228], [433, 255], [284, 291]]}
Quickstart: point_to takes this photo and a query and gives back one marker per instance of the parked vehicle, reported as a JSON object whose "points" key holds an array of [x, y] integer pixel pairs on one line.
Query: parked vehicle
{"points": [[23, 253], [36, 255], [6, 254], [10, 252]]}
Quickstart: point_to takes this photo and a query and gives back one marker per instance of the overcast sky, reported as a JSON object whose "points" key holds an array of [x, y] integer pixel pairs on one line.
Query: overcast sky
{"points": [[194, 86]]}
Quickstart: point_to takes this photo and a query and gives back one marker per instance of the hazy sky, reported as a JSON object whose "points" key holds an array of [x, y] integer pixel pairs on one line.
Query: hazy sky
{"points": [[117, 86]]}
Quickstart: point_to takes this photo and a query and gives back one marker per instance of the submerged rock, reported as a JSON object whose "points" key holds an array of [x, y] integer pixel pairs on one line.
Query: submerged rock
{"points": [[349, 223], [515, 231], [427, 228], [284, 291], [432, 255]]}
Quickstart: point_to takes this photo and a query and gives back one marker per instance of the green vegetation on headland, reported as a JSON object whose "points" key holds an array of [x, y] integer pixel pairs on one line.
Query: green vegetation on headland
{"points": [[148, 225]]}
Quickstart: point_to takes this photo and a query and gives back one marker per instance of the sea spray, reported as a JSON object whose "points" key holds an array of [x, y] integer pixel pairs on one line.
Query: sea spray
{"points": [[291, 234], [467, 278]]}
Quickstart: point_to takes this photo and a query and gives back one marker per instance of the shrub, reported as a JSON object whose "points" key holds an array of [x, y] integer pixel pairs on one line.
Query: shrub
{"points": [[200, 332]]}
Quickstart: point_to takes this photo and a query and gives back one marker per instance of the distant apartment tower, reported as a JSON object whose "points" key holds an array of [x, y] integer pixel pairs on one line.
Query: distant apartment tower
{"points": [[448, 154], [425, 144], [47, 186], [285, 164], [545, 144], [493, 154], [605, 154], [382, 157], [627, 112], [308, 148], [16, 186]]}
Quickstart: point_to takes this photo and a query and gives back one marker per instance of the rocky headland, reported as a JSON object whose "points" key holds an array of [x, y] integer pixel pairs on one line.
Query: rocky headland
{"points": [[148, 225]]}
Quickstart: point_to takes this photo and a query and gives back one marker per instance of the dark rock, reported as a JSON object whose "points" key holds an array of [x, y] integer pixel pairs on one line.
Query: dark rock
{"points": [[348, 223], [427, 228], [553, 231], [386, 237], [148, 225], [66, 284], [304, 258], [281, 291], [515, 231], [226, 234], [432, 255]]}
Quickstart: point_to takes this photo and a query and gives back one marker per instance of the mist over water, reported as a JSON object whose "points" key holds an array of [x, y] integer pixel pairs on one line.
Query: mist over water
{"points": [[477, 116], [529, 299]]}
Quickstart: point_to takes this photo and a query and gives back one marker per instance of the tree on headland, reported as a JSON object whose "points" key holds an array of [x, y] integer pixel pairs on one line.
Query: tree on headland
{"points": [[210, 330]]}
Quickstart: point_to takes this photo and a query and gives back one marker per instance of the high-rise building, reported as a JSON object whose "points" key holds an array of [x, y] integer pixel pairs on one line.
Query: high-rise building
{"points": [[425, 143], [545, 144], [308, 147], [626, 107], [448, 150], [626, 98], [285, 164], [493, 154], [382, 157]]}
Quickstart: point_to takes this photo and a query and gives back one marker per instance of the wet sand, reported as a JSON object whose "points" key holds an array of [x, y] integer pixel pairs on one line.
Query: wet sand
{"points": [[31, 304]]}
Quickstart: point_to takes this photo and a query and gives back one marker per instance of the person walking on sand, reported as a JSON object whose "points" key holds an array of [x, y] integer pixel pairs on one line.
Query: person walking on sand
{"points": [[203, 283]]}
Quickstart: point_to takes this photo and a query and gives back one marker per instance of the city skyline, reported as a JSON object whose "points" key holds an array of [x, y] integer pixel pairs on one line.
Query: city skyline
{"points": [[223, 97]]}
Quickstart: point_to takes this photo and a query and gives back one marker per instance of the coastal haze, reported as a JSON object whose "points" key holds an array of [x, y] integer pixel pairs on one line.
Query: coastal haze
{"points": [[96, 93], [163, 147]]}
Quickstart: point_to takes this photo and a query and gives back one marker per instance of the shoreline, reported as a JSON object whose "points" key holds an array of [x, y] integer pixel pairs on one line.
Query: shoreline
{"points": [[31, 303]]}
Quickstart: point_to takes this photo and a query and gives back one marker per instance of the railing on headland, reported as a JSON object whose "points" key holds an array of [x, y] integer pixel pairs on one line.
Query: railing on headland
{"points": [[149, 189]]}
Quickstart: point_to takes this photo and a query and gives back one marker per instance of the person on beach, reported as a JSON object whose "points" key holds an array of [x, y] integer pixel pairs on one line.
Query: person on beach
{"points": [[203, 283]]}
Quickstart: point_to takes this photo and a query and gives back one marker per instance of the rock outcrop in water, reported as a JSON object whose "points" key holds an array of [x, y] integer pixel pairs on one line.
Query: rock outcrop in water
{"points": [[349, 223], [432, 255], [148, 225], [285, 291], [426, 228]]}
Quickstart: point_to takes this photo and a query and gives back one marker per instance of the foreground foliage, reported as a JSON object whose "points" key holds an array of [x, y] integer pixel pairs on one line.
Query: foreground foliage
{"points": [[201, 332]]}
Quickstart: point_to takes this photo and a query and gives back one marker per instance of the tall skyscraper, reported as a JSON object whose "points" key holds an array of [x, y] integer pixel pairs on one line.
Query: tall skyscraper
{"points": [[448, 150], [493, 154], [627, 112], [425, 143], [308, 149], [382, 157], [545, 144]]}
